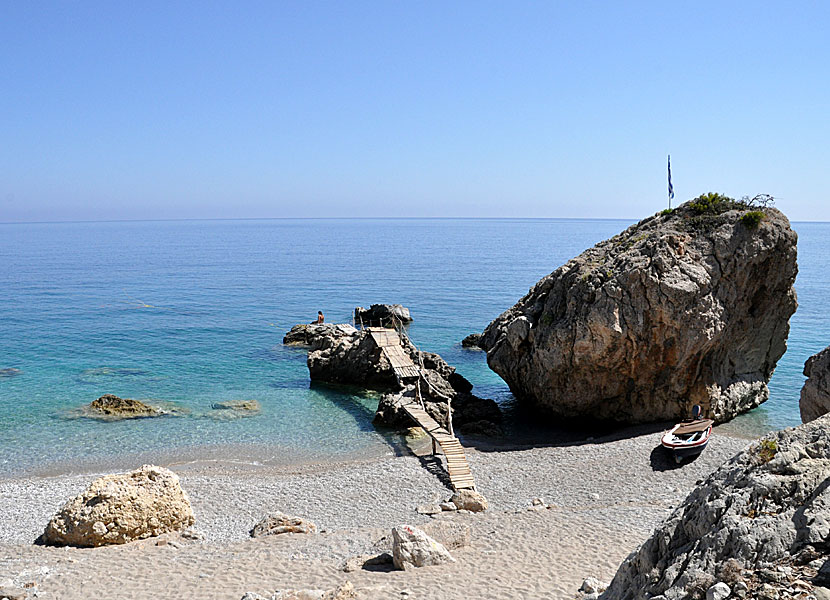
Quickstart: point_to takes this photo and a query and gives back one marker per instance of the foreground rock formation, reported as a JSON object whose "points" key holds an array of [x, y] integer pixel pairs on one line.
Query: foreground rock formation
{"points": [[815, 395], [758, 524], [110, 405], [342, 354], [120, 508], [685, 308]]}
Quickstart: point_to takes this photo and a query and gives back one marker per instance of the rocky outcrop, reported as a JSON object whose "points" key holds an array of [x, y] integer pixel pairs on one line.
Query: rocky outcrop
{"points": [[112, 406], [815, 395], [279, 523], [685, 308], [317, 336], [762, 519], [356, 359], [382, 315], [472, 341], [411, 547], [120, 508]]}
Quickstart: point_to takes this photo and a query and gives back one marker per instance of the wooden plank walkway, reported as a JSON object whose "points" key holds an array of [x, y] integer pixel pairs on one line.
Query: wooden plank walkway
{"points": [[457, 466], [389, 342]]}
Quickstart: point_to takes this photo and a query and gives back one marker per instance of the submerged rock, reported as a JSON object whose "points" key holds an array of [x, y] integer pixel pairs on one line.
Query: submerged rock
{"points": [[762, 514], [411, 547], [279, 523], [120, 508], [815, 395], [9, 372], [382, 315], [241, 406], [111, 405], [685, 308], [317, 336]]}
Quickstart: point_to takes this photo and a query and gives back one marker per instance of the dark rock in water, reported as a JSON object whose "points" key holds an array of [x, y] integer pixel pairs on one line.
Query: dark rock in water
{"points": [[767, 507], [382, 315], [815, 395], [680, 309], [316, 336], [472, 341], [9, 372], [125, 408], [357, 360]]}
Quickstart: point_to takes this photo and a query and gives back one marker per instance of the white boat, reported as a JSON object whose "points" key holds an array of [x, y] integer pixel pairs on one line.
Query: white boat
{"points": [[688, 438]]}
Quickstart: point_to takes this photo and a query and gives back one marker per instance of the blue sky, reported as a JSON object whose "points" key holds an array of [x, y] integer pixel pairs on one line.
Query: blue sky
{"points": [[520, 109]]}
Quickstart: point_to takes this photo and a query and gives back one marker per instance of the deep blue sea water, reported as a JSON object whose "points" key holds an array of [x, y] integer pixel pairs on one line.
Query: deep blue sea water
{"points": [[193, 312]]}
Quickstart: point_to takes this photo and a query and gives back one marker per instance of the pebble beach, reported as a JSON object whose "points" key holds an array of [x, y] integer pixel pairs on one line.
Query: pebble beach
{"points": [[596, 501]]}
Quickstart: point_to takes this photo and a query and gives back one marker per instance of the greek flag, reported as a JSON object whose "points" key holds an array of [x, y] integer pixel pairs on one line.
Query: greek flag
{"points": [[671, 187]]}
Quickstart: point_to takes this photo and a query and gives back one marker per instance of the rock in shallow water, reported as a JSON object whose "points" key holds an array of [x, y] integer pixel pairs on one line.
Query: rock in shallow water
{"points": [[815, 395], [120, 508], [111, 405], [766, 507], [679, 309]]}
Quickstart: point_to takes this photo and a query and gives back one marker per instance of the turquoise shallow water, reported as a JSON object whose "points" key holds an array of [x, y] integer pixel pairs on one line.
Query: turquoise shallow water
{"points": [[193, 313]]}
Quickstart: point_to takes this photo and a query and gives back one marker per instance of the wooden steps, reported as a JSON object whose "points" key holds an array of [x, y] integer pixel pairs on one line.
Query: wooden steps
{"points": [[389, 342], [461, 477]]}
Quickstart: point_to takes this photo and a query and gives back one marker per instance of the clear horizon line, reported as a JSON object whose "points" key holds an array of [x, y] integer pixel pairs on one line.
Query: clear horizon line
{"points": [[430, 218]]}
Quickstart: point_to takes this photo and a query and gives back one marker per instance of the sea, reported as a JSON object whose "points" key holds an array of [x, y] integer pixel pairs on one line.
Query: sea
{"points": [[188, 314]]}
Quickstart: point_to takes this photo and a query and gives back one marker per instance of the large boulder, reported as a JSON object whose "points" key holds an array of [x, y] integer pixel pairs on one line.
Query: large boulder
{"points": [[411, 547], [763, 514], [815, 395], [382, 315], [120, 508], [683, 308], [111, 406]]}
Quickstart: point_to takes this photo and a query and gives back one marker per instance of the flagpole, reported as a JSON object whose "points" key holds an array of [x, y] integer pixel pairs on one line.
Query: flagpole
{"points": [[671, 188]]}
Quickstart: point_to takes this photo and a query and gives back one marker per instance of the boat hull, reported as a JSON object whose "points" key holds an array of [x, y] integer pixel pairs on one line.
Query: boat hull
{"points": [[684, 449]]}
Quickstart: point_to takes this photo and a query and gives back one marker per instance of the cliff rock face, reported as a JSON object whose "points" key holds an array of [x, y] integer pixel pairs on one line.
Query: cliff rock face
{"points": [[762, 519], [815, 395], [680, 309]]}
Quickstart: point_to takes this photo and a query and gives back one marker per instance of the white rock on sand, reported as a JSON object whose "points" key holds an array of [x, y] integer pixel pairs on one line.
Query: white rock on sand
{"points": [[411, 547], [120, 508]]}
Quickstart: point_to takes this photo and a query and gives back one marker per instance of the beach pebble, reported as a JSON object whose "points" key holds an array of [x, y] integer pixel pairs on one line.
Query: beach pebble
{"points": [[537, 502], [719, 591], [593, 496], [428, 509], [448, 506]]}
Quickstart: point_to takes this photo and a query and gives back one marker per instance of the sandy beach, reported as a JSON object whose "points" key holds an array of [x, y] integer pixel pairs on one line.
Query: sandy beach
{"points": [[601, 497]]}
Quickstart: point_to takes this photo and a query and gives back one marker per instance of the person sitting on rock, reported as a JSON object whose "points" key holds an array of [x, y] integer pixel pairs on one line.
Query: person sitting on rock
{"points": [[320, 318]]}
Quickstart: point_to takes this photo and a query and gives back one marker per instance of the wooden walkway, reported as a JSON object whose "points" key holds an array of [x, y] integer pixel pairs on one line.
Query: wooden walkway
{"points": [[460, 475], [389, 342]]}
